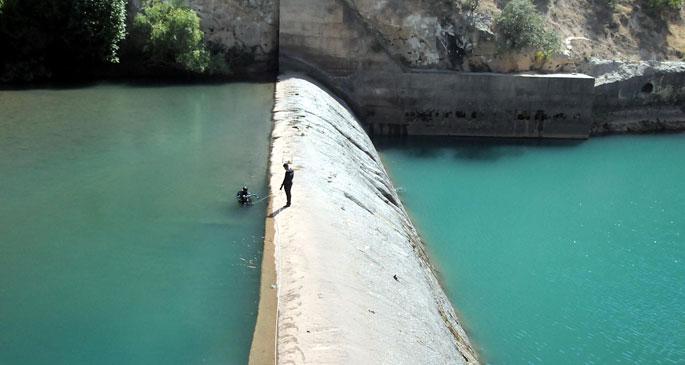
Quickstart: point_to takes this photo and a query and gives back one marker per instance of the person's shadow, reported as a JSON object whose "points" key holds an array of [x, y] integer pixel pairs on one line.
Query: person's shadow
{"points": [[276, 212]]}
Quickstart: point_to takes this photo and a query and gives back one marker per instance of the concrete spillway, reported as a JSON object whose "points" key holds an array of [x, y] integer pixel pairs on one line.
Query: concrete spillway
{"points": [[341, 245]]}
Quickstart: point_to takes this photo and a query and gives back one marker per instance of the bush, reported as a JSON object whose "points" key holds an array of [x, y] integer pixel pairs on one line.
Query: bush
{"points": [[662, 6], [521, 27], [171, 36], [40, 39]]}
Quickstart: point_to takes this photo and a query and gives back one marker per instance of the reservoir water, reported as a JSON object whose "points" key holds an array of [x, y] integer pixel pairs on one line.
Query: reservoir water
{"points": [[554, 253], [120, 238]]}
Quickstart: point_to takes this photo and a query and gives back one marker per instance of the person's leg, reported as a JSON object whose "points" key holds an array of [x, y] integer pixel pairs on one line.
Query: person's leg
{"points": [[287, 193]]}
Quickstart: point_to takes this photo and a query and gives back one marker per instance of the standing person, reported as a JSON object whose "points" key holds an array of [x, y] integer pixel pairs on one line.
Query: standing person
{"points": [[287, 181]]}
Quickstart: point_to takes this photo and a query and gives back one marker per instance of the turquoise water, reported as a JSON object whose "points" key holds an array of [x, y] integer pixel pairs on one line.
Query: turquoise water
{"points": [[120, 239], [556, 253]]}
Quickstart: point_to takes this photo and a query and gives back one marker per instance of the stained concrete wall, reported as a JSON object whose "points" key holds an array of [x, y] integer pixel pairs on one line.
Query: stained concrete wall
{"points": [[330, 40], [481, 104]]}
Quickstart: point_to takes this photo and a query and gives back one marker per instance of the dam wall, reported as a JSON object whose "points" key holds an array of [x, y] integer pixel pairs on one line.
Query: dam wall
{"points": [[334, 41], [353, 282]]}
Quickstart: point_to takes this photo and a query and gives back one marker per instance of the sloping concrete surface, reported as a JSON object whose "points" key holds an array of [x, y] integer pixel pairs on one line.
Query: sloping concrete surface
{"points": [[340, 244]]}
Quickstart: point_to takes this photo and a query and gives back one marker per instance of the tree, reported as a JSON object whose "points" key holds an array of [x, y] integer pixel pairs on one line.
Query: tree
{"points": [[171, 37], [40, 39], [521, 26], [99, 26]]}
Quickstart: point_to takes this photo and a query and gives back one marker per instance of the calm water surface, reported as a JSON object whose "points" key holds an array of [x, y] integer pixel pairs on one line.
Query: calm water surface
{"points": [[556, 254], [120, 240]]}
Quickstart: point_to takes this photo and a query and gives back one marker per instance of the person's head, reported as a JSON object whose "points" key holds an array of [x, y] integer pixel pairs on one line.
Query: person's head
{"points": [[245, 189], [285, 165]]}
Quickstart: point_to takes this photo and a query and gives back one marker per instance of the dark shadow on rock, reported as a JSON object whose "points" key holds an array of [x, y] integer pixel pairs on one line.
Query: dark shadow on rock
{"points": [[600, 17], [652, 33], [542, 5]]}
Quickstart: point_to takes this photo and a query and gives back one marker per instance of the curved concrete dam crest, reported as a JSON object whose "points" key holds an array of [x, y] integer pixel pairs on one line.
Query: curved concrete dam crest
{"points": [[354, 284]]}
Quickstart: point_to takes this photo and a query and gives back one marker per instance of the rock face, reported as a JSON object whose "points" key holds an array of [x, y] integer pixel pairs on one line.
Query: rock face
{"points": [[638, 97], [438, 34], [244, 31], [422, 34], [354, 285]]}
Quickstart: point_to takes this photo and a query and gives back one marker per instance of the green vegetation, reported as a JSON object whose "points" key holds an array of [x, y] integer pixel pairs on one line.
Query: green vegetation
{"points": [[521, 27], [663, 6], [71, 39], [171, 37], [42, 39]]}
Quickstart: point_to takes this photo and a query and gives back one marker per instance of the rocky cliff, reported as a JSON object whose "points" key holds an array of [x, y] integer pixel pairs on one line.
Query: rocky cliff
{"points": [[637, 97], [438, 34], [245, 31]]}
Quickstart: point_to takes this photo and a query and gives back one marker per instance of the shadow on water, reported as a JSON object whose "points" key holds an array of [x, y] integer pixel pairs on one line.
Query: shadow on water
{"points": [[65, 85], [468, 148], [136, 82]]}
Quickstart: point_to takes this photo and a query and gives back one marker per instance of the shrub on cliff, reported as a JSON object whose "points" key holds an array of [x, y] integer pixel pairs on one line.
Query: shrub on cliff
{"points": [[520, 26], [40, 39], [663, 6], [171, 37]]}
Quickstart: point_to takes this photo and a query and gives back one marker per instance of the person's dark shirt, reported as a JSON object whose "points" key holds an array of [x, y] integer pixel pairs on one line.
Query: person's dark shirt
{"points": [[288, 179], [243, 196]]}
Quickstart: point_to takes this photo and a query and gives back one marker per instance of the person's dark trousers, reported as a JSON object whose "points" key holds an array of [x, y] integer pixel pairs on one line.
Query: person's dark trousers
{"points": [[287, 193]]}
